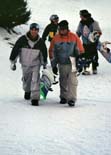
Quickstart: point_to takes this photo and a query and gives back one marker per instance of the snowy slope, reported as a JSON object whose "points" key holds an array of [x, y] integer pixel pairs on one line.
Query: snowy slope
{"points": [[51, 128]]}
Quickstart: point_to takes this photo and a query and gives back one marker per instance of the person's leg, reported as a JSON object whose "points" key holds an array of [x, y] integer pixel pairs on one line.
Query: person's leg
{"points": [[86, 60], [68, 84], [72, 88], [26, 79], [35, 85], [95, 63], [63, 74]]}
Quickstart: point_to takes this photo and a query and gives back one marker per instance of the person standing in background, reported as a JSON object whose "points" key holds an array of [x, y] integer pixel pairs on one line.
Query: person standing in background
{"points": [[51, 29], [86, 26]]}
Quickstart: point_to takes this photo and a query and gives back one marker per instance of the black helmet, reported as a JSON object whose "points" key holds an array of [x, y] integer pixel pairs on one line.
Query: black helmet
{"points": [[54, 17], [34, 25]]}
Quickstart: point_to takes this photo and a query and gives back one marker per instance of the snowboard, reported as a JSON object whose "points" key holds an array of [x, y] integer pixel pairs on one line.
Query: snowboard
{"points": [[102, 46], [43, 90], [105, 51], [46, 81]]}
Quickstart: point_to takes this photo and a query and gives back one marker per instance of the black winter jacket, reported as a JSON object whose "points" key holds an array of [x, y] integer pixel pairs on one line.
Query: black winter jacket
{"points": [[49, 31]]}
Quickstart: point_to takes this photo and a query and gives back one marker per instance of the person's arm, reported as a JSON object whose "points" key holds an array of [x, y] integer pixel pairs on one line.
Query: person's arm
{"points": [[78, 31], [14, 53], [96, 27], [52, 57], [44, 53], [16, 49], [45, 33], [79, 45], [51, 49]]}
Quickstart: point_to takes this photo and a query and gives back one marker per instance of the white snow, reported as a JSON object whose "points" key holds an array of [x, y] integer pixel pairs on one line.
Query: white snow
{"points": [[51, 128]]}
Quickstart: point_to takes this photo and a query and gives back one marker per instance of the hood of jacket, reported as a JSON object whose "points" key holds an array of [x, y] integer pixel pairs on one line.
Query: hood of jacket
{"points": [[87, 22]]}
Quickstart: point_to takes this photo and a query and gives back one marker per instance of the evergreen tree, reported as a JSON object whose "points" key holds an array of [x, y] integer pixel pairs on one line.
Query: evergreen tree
{"points": [[13, 13]]}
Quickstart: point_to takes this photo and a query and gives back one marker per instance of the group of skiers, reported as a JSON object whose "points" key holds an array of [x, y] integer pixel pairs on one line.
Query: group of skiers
{"points": [[67, 53]]}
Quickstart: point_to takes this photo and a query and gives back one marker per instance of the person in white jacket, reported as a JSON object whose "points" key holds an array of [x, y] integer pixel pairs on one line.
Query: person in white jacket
{"points": [[32, 53]]}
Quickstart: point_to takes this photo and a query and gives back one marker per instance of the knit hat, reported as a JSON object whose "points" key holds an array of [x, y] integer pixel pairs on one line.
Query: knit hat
{"points": [[34, 26], [63, 24], [85, 13]]}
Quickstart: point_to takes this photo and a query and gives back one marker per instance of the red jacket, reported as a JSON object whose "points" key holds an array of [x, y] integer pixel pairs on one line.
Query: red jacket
{"points": [[71, 39]]}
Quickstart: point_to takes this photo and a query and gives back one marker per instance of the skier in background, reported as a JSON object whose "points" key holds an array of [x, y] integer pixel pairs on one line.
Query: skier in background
{"points": [[51, 29]]}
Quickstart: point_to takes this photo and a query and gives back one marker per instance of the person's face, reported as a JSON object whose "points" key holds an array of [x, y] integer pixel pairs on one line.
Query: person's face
{"points": [[55, 21], [63, 32], [82, 18], [34, 32]]}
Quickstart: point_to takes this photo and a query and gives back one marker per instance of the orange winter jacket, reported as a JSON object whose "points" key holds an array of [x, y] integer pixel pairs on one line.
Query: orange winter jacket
{"points": [[66, 45]]}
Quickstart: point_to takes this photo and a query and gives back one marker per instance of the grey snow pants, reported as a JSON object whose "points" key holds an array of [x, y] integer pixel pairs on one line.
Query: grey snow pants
{"points": [[31, 80], [68, 82]]}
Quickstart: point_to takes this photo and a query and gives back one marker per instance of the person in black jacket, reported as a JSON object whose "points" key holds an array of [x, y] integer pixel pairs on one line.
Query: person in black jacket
{"points": [[51, 28], [32, 53]]}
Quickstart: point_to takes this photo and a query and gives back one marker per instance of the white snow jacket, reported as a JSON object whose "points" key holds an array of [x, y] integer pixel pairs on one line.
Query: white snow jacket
{"points": [[30, 53]]}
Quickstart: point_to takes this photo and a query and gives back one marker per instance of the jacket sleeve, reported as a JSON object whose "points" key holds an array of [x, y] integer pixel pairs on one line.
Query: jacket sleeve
{"points": [[96, 27], [52, 55], [79, 45], [45, 33], [78, 31], [16, 49], [51, 49], [44, 51]]}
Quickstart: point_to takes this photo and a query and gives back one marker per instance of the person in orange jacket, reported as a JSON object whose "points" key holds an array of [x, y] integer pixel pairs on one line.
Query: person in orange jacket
{"points": [[64, 48]]}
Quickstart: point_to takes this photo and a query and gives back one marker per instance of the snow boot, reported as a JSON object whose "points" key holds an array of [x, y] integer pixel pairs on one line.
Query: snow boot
{"points": [[63, 101], [86, 73], [71, 103], [27, 96], [35, 102], [95, 71]]}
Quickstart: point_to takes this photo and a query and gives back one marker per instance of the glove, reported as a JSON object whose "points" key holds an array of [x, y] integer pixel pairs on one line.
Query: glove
{"points": [[108, 50], [13, 66], [44, 67], [94, 36], [55, 70]]}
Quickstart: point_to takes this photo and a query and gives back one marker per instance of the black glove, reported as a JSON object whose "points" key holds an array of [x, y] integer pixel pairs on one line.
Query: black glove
{"points": [[55, 70], [44, 67], [82, 55], [13, 66], [108, 50]]}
